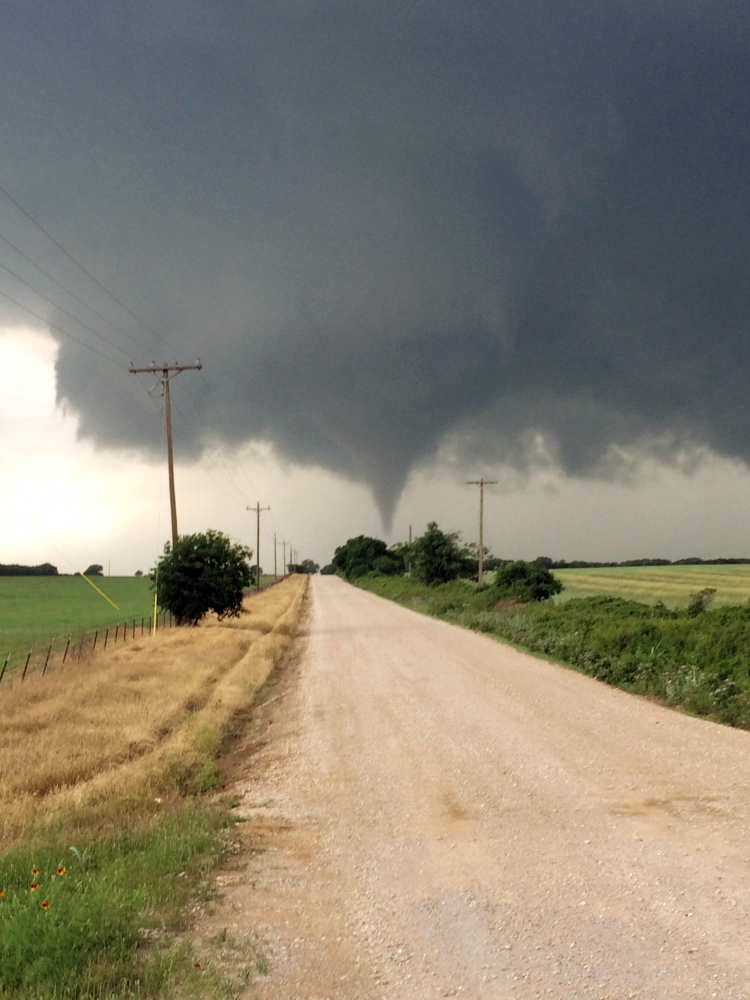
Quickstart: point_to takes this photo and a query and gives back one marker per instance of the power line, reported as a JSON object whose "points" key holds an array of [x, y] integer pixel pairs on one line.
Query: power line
{"points": [[54, 326], [56, 305], [85, 270], [68, 291]]}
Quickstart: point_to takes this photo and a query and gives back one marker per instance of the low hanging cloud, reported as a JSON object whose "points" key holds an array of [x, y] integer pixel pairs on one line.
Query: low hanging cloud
{"points": [[380, 225]]}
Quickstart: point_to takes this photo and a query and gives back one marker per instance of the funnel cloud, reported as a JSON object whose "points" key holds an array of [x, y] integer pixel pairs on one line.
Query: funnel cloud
{"points": [[520, 226]]}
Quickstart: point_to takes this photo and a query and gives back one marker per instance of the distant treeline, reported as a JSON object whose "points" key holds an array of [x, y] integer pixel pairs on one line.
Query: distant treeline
{"points": [[583, 564], [46, 569]]}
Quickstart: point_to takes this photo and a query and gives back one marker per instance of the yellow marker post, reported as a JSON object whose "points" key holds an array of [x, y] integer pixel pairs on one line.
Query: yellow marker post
{"points": [[98, 591]]}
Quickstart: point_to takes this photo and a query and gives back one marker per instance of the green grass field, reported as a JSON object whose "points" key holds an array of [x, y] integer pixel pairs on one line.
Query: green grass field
{"points": [[671, 584], [35, 609]]}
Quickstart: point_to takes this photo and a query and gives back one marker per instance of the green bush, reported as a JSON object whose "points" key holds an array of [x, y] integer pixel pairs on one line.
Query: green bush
{"points": [[201, 573], [436, 557], [525, 582], [362, 555]]}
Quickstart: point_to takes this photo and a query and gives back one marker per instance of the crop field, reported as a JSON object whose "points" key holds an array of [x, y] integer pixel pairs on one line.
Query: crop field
{"points": [[35, 609], [671, 584]]}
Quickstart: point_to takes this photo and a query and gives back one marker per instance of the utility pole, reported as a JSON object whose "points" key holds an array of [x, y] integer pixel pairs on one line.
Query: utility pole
{"points": [[168, 372], [258, 511], [283, 565], [481, 483], [275, 574]]}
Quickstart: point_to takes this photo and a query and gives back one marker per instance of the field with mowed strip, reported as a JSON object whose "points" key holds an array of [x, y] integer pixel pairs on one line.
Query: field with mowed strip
{"points": [[35, 609], [671, 584]]}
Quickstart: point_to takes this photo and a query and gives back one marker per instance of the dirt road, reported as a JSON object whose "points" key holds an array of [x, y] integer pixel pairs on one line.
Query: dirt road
{"points": [[445, 816]]}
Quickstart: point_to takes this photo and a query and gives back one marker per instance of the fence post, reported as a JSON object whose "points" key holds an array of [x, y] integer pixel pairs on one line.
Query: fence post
{"points": [[106, 636], [7, 660], [67, 646], [96, 636], [81, 644], [141, 626], [26, 665], [44, 671], [134, 628], [117, 632]]}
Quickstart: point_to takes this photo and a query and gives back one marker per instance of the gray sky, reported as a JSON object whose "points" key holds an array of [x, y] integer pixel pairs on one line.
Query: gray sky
{"points": [[411, 244]]}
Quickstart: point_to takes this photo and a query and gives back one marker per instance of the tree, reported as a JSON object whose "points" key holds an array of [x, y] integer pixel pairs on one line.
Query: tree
{"points": [[436, 557], [525, 582], [361, 555], [201, 573], [94, 570], [306, 566], [139, 572]]}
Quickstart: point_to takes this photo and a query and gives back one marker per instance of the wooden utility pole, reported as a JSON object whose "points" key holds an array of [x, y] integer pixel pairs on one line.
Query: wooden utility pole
{"points": [[481, 483], [167, 373], [258, 511], [283, 565], [275, 574]]}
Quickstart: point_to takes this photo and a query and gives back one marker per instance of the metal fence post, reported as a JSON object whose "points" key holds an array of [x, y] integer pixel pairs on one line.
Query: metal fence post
{"points": [[26, 665], [44, 671], [67, 647], [7, 660]]}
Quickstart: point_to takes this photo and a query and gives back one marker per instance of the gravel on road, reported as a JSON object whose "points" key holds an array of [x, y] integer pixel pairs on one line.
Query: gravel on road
{"points": [[446, 816]]}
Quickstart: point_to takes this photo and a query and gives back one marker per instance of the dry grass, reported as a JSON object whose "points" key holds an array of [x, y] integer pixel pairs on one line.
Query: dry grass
{"points": [[88, 745]]}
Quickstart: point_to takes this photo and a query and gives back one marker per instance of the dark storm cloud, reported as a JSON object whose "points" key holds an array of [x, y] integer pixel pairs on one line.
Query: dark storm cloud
{"points": [[380, 223]]}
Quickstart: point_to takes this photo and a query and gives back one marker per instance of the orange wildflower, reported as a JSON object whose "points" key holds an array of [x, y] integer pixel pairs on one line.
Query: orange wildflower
{"points": [[45, 904], [34, 871], [2, 893], [34, 886], [61, 870]]}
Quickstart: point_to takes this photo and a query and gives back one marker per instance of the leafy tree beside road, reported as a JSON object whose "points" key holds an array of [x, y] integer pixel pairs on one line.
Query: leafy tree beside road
{"points": [[203, 572], [362, 555], [436, 556]]}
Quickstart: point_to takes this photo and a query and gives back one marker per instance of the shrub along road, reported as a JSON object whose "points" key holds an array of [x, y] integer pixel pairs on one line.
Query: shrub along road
{"points": [[449, 816]]}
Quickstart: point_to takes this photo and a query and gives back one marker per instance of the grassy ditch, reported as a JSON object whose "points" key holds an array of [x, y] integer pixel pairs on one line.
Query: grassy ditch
{"points": [[105, 835], [103, 918], [698, 662]]}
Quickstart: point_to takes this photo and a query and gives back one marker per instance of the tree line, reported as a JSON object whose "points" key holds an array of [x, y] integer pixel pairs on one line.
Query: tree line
{"points": [[438, 557]]}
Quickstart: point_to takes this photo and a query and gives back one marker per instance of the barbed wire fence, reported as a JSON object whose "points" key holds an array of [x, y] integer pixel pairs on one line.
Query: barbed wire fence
{"points": [[53, 654]]}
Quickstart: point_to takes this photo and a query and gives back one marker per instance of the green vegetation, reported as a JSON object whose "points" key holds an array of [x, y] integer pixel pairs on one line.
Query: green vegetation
{"points": [[362, 555], [671, 584], [691, 658], [525, 582], [436, 556], [203, 572], [102, 918], [34, 609], [13, 569]]}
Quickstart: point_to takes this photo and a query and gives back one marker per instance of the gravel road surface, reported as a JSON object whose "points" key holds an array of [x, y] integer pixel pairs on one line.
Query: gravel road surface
{"points": [[446, 816]]}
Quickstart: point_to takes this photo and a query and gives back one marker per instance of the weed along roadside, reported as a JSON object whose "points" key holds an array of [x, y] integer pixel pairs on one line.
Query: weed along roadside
{"points": [[695, 659], [107, 835]]}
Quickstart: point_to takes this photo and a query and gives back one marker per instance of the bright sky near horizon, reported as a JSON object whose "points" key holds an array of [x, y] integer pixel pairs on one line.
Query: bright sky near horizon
{"points": [[66, 502]]}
